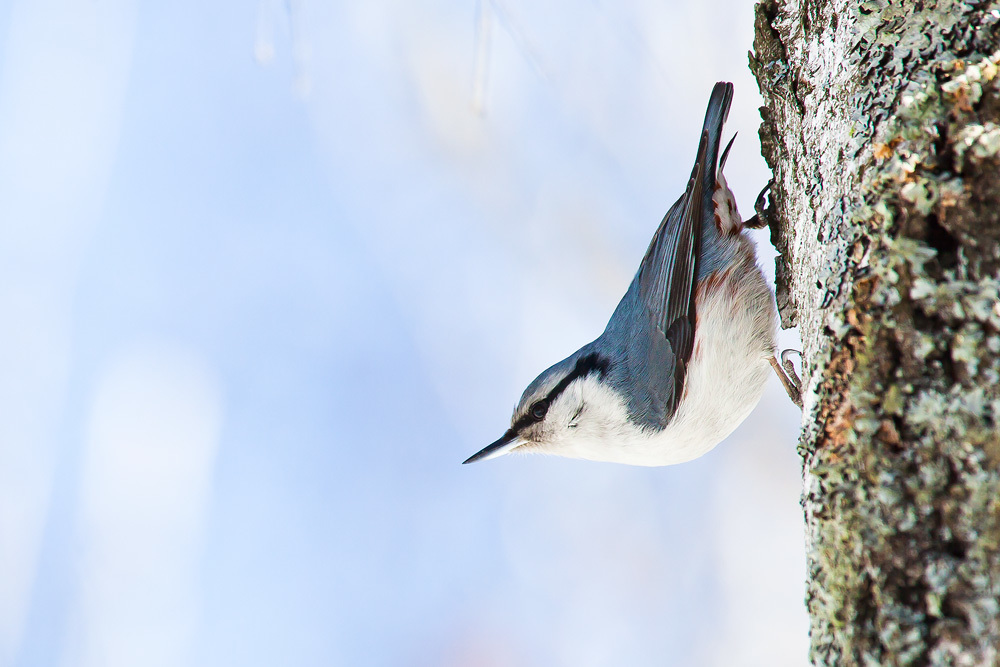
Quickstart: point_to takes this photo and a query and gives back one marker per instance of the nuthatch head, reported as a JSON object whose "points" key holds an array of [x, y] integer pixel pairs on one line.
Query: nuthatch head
{"points": [[685, 355]]}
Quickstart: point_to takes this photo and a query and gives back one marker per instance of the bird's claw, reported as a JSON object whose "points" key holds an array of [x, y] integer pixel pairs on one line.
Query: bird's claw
{"points": [[788, 376], [759, 219]]}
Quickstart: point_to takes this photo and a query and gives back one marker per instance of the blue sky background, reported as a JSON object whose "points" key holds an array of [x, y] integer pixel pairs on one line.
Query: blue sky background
{"points": [[270, 271]]}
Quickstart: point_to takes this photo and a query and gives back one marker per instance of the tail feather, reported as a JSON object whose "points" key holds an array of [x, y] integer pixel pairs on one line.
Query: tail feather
{"points": [[715, 118], [711, 244]]}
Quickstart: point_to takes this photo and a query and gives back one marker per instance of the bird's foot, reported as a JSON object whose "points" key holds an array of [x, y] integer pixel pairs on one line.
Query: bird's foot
{"points": [[788, 376], [759, 219]]}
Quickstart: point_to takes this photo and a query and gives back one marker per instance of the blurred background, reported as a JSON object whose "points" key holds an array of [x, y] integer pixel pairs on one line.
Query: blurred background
{"points": [[269, 271]]}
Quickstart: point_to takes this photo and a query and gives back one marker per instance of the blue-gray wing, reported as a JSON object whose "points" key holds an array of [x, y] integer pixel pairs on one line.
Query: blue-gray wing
{"points": [[666, 286], [655, 322]]}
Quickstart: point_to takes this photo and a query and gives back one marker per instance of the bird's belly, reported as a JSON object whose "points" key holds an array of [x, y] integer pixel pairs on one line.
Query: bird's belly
{"points": [[729, 367]]}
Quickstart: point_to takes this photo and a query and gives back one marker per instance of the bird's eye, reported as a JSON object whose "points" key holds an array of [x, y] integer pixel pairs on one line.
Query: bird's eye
{"points": [[539, 409]]}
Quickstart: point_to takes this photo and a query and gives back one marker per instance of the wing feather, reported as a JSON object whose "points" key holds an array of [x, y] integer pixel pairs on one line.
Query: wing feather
{"points": [[668, 273], [666, 279]]}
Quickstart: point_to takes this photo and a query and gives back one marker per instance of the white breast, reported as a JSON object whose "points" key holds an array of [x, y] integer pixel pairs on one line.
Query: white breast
{"points": [[734, 339]]}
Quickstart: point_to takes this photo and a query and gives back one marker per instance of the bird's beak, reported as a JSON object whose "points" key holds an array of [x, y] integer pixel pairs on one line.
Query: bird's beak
{"points": [[504, 445]]}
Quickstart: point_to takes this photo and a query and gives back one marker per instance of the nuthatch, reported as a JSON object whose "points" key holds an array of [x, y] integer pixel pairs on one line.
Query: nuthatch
{"points": [[685, 356]]}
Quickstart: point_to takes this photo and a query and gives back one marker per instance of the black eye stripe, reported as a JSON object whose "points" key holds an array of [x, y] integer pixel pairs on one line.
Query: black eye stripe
{"points": [[591, 363]]}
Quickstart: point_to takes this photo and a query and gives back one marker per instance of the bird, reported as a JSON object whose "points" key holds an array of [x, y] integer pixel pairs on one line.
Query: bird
{"points": [[684, 358]]}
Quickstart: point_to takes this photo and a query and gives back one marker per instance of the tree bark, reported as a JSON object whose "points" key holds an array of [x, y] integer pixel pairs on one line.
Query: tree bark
{"points": [[882, 126]]}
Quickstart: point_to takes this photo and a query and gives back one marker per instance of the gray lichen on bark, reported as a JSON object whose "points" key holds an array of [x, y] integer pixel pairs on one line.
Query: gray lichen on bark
{"points": [[882, 126]]}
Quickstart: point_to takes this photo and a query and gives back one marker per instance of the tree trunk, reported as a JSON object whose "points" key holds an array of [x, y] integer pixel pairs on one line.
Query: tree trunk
{"points": [[882, 126]]}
